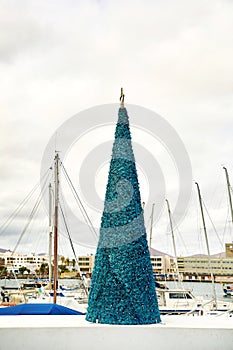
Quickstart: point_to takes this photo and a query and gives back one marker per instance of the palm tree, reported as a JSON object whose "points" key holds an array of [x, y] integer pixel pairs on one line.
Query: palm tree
{"points": [[22, 269], [3, 271], [63, 268], [44, 269]]}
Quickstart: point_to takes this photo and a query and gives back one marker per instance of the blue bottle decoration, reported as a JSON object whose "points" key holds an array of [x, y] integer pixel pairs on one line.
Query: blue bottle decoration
{"points": [[123, 288]]}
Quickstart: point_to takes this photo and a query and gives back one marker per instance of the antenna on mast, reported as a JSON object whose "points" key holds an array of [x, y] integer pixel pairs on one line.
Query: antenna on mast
{"points": [[207, 244], [122, 98], [50, 235], [151, 226], [229, 192], [173, 240], [55, 276]]}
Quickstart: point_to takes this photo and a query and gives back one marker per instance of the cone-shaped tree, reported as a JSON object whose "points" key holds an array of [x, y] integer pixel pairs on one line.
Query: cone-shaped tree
{"points": [[123, 287]]}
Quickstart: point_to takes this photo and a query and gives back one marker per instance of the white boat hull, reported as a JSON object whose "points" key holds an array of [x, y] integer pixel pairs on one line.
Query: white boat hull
{"points": [[73, 332], [228, 291]]}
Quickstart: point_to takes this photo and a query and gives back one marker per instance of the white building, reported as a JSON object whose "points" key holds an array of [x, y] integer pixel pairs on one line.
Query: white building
{"points": [[162, 264], [13, 261]]}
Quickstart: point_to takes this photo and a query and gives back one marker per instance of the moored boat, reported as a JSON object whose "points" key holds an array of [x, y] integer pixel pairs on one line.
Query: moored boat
{"points": [[179, 301], [228, 289]]}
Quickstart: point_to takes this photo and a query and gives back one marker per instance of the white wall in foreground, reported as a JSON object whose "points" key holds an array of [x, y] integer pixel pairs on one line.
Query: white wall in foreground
{"points": [[62, 333]]}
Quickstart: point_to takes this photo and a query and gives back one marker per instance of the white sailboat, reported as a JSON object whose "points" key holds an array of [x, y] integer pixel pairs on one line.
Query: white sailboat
{"points": [[228, 288], [55, 295], [48, 292], [180, 300]]}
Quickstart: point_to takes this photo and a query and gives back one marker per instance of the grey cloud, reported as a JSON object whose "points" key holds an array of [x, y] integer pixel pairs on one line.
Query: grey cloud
{"points": [[17, 35]]}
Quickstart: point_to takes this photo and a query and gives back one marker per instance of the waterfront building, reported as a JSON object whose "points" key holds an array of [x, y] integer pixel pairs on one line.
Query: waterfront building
{"points": [[229, 250], [194, 268], [197, 268], [86, 263], [162, 264], [14, 261]]}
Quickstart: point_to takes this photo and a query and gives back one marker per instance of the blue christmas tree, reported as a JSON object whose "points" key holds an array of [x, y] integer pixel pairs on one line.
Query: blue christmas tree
{"points": [[123, 287]]}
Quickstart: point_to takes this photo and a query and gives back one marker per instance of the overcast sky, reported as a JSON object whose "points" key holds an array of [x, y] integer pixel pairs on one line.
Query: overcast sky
{"points": [[58, 58]]}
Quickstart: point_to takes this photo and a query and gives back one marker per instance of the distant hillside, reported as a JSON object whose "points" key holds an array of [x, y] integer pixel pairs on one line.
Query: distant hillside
{"points": [[218, 255], [157, 252], [198, 255], [3, 250]]}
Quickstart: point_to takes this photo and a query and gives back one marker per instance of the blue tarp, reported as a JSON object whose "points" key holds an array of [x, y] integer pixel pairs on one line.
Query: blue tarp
{"points": [[38, 309]]}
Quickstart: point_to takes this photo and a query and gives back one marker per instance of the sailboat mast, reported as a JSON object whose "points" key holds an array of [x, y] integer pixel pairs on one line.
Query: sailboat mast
{"points": [[55, 277], [151, 226], [173, 238], [229, 192], [50, 234], [207, 244]]}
